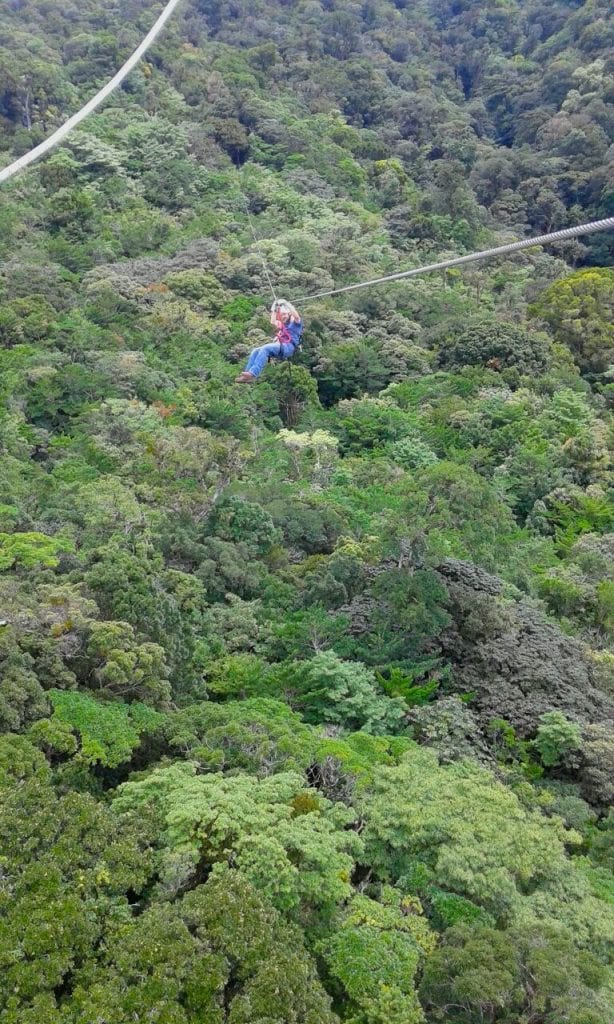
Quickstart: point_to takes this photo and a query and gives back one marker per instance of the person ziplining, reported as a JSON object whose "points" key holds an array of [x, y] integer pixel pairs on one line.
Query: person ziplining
{"points": [[288, 330]]}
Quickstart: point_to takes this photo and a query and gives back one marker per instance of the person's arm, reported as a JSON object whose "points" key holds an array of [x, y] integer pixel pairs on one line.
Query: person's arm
{"points": [[275, 314]]}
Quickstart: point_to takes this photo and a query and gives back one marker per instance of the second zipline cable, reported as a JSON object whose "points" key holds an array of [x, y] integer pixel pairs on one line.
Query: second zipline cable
{"points": [[61, 133]]}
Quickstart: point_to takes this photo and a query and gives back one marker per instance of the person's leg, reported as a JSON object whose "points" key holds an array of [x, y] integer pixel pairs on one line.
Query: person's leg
{"points": [[251, 360], [260, 356]]}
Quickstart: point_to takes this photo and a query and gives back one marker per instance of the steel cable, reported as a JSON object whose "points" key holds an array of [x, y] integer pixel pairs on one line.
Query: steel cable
{"points": [[501, 250], [65, 129]]}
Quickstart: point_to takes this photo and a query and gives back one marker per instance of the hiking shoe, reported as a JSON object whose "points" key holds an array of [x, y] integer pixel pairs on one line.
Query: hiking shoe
{"points": [[245, 378]]}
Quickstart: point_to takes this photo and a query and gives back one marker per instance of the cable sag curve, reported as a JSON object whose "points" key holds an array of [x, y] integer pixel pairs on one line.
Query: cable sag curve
{"points": [[100, 97]]}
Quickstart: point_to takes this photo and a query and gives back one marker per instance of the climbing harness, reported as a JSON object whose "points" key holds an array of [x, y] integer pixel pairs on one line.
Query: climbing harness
{"points": [[555, 236], [288, 335], [100, 97]]}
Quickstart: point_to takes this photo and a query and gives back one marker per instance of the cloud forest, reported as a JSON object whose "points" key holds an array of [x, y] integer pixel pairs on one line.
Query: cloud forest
{"points": [[307, 680]]}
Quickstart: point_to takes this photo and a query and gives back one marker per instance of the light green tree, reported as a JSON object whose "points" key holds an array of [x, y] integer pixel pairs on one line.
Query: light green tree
{"points": [[108, 732], [342, 693], [31, 549], [580, 311], [471, 831], [375, 955], [286, 839], [556, 738]]}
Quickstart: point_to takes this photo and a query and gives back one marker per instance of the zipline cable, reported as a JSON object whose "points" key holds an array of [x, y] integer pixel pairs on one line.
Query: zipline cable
{"points": [[252, 228], [100, 97], [556, 236], [261, 254]]}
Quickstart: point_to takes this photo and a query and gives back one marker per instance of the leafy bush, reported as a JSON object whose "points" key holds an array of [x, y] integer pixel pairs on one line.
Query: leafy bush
{"points": [[499, 346], [301, 860], [109, 732], [556, 738], [580, 309], [344, 693], [31, 549]]}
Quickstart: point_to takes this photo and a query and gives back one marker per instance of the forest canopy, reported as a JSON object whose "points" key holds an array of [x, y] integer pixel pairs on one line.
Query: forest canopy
{"points": [[307, 686]]}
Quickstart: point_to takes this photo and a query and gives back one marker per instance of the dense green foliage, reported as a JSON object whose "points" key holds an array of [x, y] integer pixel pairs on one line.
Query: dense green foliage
{"points": [[306, 689]]}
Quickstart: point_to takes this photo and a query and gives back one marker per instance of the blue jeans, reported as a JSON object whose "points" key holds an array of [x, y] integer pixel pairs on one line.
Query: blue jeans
{"points": [[259, 357]]}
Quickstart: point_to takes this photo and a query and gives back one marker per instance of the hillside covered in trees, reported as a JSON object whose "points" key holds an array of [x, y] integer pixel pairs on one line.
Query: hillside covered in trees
{"points": [[306, 687]]}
